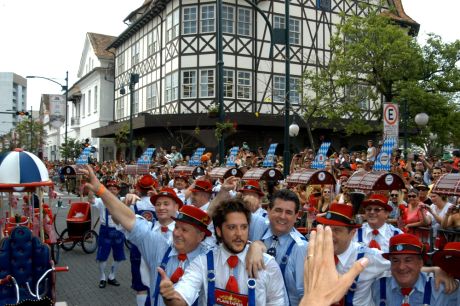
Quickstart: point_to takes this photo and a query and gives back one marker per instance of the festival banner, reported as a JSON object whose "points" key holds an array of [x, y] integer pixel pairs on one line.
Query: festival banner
{"points": [[383, 160], [84, 156], [232, 157], [146, 157], [321, 156], [195, 160], [269, 160]]}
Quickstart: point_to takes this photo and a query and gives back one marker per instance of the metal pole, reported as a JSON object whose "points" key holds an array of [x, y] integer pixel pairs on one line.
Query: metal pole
{"points": [[286, 155], [31, 129], [220, 77], [131, 102], [66, 114], [406, 115]]}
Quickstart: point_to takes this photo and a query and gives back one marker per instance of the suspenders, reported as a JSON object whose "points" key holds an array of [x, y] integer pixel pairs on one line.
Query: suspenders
{"points": [[351, 292], [383, 292], [360, 234], [163, 264], [212, 283]]}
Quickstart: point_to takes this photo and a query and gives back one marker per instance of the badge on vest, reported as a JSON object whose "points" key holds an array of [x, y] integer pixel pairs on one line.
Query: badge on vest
{"points": [[148, 215], [224, 297]]}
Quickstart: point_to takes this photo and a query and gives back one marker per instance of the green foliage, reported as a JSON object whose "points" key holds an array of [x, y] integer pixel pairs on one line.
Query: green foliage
{"points": [[224, 128], [373, 57], [72, 150], [30, 135]]}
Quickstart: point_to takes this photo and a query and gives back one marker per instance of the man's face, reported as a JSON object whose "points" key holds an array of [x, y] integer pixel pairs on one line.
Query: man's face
{"points": [[282, 216], [234, 232], [186, 237], [394, 195], [376, 216], [165, 208], [199, 198], [341, 237], [422, 194], [436, 174], [419, 166], [173, 149], [370, 143], [114, 190], [180, 183], [252, 199], [406, 269]]}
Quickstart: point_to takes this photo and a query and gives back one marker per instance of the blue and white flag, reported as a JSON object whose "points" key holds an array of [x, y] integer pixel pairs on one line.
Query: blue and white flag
{"points": [[146, 158], [195, 160], [383, 160], [269, 160], [321, 156], [232, 157], [84, 156]]}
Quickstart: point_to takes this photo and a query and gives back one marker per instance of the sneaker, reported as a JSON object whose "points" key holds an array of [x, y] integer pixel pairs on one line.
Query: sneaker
{"points": [[102, 284], [113, 282]]}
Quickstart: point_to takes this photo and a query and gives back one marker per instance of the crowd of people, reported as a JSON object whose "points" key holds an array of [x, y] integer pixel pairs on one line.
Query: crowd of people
{"points": [[204, 241]]}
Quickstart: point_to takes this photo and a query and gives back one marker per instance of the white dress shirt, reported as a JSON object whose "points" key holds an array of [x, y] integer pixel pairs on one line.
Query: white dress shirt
{"points": [[386, 231]]}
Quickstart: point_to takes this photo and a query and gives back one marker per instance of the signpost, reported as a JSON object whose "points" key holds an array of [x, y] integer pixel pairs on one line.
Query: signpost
{"points": [[391, 121]]}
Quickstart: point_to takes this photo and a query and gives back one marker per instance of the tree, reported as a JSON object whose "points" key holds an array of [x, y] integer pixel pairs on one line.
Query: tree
{"points": [[372, 57], [72, 150], [29, 135]]}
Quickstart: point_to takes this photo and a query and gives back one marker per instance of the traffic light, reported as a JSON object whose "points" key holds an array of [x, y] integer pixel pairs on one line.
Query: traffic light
{"points": [[22, 113]]}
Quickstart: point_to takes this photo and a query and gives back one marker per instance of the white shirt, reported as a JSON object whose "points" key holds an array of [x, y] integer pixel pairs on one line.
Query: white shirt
{"points": [[386, 231], [440, 212], [378, 267], [103, 213], [269, 286]]}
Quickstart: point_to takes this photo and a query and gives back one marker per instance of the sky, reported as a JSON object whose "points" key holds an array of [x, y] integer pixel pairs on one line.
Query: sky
{"points": [[46, 37]]}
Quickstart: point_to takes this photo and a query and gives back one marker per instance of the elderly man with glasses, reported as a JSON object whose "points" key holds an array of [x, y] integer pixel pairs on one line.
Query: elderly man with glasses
{"points": [[376, 232]]}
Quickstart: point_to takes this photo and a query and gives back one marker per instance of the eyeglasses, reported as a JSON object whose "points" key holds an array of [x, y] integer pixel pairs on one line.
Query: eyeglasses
{"points": [[394, 195], [326, 191], [411, 196], [375, 209]]}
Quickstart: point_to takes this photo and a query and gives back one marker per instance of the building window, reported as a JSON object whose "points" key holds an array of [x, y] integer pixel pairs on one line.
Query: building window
{"points": [[121, 63], [152, 42], [189, 84], [229, 83], [227, 19], [294, 28], [207, 83], [244, 22], [171, 86], [96, 96], [190, 19], [135, 53], [120, 108], [244, 85], [82, 104], [324, 5], [279, 92], [207, 18], [294, 90], [89, 102], [136, 102], [151, 96], [172, 25]]}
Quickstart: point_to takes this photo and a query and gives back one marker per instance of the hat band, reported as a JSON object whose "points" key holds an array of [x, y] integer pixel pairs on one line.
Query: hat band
{"points": [[199, 188], [405, 247], [331, 215], [187, 219]]}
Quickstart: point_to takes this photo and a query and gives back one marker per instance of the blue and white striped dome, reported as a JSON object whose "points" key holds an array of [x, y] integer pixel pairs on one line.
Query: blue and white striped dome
{"points": [[22, 168]]}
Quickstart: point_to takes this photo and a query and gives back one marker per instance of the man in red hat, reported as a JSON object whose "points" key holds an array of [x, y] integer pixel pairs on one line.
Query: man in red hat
{"points": [[201, 192], [252, 195], [220, 275], [346, 252], [180, 185], [448, 259], [376, 232], [190, 230], [407, 284], [143, 207], [109, 239]]}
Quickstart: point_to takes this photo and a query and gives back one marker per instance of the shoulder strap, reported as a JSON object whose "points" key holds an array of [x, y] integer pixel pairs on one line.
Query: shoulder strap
{"points": [[106, 217], [351, 292], [285, 258], [251, 292], [211, 277], [266, 230], [383, 291], [360, 234], [163, 264], [136, 210], [395, 233], [427, 293]]}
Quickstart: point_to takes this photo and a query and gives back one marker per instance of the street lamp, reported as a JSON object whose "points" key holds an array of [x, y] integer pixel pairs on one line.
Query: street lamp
{"points": [[421, 120], [63, 88], [133, 80]]}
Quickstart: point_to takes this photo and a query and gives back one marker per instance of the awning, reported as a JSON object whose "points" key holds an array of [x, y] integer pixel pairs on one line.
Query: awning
{"points": [[375, 180], [224, 172], [311, 177], [263, 174], [448, 184]]}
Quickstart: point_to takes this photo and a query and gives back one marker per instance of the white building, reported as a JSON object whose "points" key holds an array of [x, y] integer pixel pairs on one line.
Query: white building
{"points": [[13, 98]]}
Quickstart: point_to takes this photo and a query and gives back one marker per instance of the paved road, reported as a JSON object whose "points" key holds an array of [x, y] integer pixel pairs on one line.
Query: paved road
{"points": [[79, 286]]}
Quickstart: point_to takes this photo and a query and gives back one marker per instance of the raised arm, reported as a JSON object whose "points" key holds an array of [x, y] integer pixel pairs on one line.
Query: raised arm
{"points": [[119, 211]]}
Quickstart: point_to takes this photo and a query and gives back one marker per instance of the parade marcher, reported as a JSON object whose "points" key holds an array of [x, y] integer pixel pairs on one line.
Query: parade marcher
{"points": [[252, 195], [201, 192], [448, 259], [144, 208], [285, 243], [190, 229], [180, 185], [376, 232], [407, 284], [220, 275], [109, 239]]}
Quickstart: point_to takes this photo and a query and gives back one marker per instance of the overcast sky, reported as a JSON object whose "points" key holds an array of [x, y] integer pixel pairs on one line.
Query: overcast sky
{"points": [[46, 37]]}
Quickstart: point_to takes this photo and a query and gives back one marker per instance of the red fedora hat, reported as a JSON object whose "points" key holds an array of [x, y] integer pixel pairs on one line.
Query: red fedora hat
{"points": [[202, 186], [147, 182], [252, 186], [194, 216], [377, 199], [405, 244], [448, 259], [339, 215], [167, 192], [182, 175]]}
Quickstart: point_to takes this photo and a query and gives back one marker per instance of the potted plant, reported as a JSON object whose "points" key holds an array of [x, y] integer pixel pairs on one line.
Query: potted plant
{"points": [[213, 111], [224, 127]]}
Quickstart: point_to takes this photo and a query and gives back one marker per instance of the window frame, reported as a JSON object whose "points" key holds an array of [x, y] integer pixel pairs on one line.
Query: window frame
{"points": [[192, 85], [245, 87], [210, 22], [210, 86], [228, 83], [192, 22], [247, 23]]}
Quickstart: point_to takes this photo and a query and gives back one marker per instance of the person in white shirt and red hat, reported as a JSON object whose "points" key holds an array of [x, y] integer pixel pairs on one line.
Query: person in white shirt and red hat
{"points": [[201, 192], [408, 285], [376, 232], [252, 195]]}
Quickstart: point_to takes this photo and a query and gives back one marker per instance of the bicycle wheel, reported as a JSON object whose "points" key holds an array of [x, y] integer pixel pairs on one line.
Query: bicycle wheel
{"points": [[55, 252], [89, 242], [66, 243]]}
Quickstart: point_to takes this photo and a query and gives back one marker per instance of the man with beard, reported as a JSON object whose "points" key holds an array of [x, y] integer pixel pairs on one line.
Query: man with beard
{"points": [[220, 275]]}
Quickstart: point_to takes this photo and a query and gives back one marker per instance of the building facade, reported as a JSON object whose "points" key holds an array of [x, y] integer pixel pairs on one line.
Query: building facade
{"points": [[172, 46], [13, 98]]}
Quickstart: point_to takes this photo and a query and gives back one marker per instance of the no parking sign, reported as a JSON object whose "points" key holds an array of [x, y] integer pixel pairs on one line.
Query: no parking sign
{"points": [[391, 121]]}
